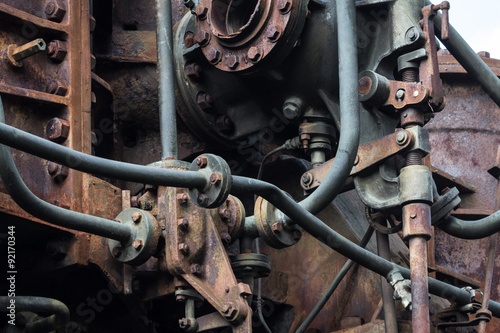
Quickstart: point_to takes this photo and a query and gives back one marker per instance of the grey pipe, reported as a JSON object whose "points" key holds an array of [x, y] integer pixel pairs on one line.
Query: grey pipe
{"points": [[333, 286], [59, 312], [469, 59], [53, 214], [471, 229], [165, 69], [337, 242], [349, 111]]}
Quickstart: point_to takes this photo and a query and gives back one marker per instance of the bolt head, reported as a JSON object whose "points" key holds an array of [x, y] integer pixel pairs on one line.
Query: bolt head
{"points": [[215, 178], [183, 224], [224, 124], [226, 238], [402, 138], [193, 71], [400, 95], [202, 200], [137, 217], [54, 11], [57, 87], [202, 37], [184, 248], [307, 178], [232, 61], [277, 227], [225, 213], [138, 244], [57, 50], [116, 251], [202, 162], [201, 12], [205, 101], [182, 198], [291, 111], [57, 130], [296, 235], [273, 33], [284, 6], [254, 53], [214, 56], [58, 172]]}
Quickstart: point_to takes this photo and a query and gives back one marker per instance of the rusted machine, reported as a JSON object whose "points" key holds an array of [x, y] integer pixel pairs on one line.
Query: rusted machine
{"points": [[247, 166]]}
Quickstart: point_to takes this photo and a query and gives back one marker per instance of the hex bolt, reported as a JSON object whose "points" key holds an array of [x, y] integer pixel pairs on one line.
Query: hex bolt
{"points": [[57, 50], [201, 12], [214, 56], [229, 310], [224, 124], [296, 235], [226, 238], [202, 162], [184, 248], [400, 95], [58, 172], [54, 11], [232, 61], [273, 33], [254, 53], [307, 179], [402, 138], [196, 269], [202, 200], [205, 101], [215, 178], [412, 34], [291, 110], [225, 213], [277, 227], [17, 53], [182, 198], [116, 251], [137, 217], [57, 87], [57, 130], [193, 71], [183, 224], [284, 6], [202, 37], [138, 244]]}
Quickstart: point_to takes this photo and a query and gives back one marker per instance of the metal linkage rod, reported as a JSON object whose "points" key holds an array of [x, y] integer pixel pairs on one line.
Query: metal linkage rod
{"points": [[337, 242], [59, 312], [349, 111], [165, 68], [469, 59]]}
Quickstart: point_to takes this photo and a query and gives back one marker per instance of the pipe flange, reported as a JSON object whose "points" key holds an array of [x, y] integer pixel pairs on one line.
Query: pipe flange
{"points": [[217, 190], [144, 240], [237, 36], [251, 264], [271, 226]]}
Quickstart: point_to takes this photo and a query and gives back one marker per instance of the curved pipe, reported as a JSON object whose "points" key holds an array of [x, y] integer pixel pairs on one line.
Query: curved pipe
{"points": [[337, 242], [165, 68], [58, 310], [349, 111], [471, 229], [53, 214]]}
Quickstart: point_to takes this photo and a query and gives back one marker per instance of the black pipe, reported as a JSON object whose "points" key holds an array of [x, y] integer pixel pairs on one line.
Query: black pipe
{"points": [[53, 214], [471, 229], [337, 242], [51, 151], [59, 312], [165, 69], [469, 59], [333, 286], [349, 110]]}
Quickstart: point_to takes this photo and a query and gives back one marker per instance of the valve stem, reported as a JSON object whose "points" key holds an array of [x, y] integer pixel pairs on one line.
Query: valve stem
{"points": [[16, 54]]}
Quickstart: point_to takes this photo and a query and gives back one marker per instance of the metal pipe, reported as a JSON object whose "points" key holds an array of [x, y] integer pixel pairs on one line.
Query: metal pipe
{"points": [[45, 211], [469, 59], [349, 110], [166, 88], [488, 282], [51, 151], [337, 242], [390, 318], [471, 229], [333, 286], [58, 310]]}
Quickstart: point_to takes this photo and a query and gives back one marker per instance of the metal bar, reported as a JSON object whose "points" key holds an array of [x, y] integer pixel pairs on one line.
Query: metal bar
{"points": [[37, 146], [390, 319], [469, 59], [333, 286], [165, 68], [488, 281], [419, 285], [349, 111], [337, 242], [58, 310]]}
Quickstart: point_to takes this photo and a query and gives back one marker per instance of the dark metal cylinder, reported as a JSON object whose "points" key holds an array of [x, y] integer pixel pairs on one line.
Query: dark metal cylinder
{"points": [[419, 285]]}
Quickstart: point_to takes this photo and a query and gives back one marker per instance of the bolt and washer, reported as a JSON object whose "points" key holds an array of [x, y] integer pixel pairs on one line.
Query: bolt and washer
{"points": [[400, 95], [402, 138]]}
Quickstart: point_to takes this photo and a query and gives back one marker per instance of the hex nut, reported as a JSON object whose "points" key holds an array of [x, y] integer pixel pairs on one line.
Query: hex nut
{"points": [[184, 248], [224, 124], [201, 12], [57, 130], [58, 172], [205, 101], [284, 6], [215, 178], [232, 61], [57, 87], [277, 227], [136, 217], [214, 56], [138, 244], [57, 50], [254, 54], [182, 198], [202, 162], [202, 37], [296, 235], [273, 33], [193, 71], [54, 11]]}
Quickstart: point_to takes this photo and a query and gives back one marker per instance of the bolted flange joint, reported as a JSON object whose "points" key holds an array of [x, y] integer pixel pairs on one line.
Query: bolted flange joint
{"points": [[218, 175], [144, 240]]}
